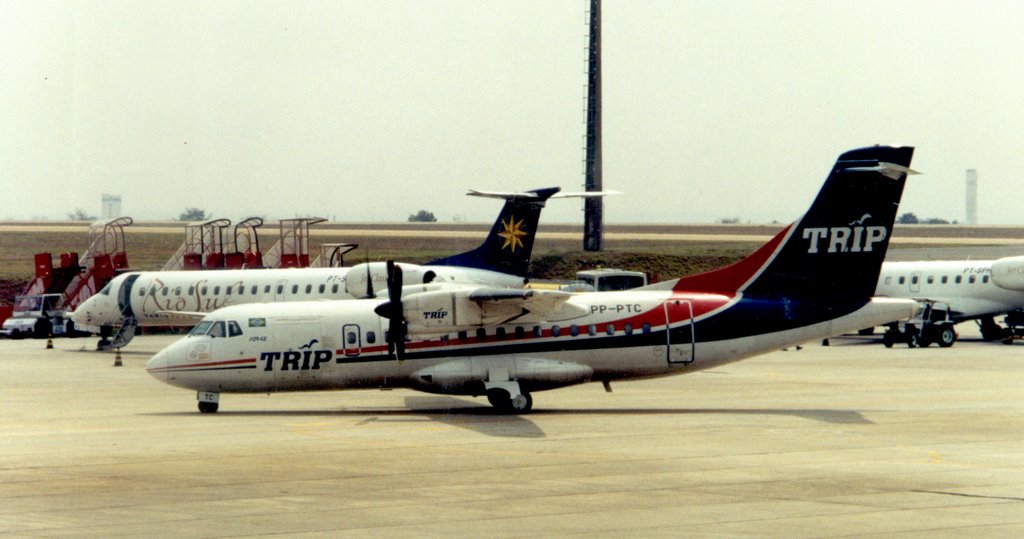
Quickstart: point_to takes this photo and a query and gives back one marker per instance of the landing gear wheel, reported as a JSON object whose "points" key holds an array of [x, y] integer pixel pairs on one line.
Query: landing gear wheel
{"points": [[522, 404], [991, 331], [946, 337], [889, 338], [500, 400], [208, 407]]}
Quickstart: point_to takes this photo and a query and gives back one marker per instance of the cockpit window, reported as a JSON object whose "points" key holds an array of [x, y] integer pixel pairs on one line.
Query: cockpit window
{"points": [[106, 290], [217, 330], [234, 329], [200, 329]]}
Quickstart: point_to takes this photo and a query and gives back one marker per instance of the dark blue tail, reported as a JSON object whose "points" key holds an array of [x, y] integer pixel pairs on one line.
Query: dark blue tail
{"points": [[835, 251], [509, 245]]}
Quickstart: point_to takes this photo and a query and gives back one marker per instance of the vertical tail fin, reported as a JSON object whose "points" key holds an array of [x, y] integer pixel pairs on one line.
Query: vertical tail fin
{"points": [[835, 250], [509, 244]]}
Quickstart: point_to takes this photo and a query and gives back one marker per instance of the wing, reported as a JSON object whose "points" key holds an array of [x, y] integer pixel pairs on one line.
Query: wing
{"points": [[448, 310]]}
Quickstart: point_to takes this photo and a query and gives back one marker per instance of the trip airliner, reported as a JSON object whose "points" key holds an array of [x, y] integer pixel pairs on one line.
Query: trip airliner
{"points": [[179, 298], [815, 279]]}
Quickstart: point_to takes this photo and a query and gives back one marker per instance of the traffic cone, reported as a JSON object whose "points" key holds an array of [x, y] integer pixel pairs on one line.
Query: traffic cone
{"points": [[49, 342], [117, 358]]}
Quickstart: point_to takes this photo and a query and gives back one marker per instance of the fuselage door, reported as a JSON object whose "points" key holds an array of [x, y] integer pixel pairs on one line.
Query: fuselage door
{"points": [[681, 339], [352, 340], [124, 296], [280, 289], [915, 282]]}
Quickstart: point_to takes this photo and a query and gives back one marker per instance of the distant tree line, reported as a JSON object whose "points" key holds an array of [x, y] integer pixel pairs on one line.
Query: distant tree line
{"points": [[910, 219]]}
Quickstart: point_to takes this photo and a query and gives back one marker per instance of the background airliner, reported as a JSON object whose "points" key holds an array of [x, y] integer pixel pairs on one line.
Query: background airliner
{"points": [[814, 279], [973, 289], [178, 298]]}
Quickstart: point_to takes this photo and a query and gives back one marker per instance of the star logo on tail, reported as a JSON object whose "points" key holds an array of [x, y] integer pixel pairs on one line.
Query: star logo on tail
{"points": [[512, 233]]}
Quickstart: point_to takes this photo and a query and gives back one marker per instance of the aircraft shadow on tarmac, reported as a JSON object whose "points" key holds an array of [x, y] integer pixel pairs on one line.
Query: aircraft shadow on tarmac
{"points": [[486, 420]]}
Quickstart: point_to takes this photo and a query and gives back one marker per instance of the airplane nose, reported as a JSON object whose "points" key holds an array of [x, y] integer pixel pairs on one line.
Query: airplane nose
{"points": [[157, 365]]}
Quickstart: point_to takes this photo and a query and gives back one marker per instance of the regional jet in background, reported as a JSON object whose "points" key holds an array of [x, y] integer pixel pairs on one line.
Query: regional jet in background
{"points": [[815, 279], [179, 298], [971, 289]]}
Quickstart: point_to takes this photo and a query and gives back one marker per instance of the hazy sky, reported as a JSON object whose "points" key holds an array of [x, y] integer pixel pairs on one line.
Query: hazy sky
{"points": [[372, 110]]}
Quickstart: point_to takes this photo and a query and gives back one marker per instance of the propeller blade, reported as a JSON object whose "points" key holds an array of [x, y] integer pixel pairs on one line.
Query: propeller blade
{"points": [[397, 326]]}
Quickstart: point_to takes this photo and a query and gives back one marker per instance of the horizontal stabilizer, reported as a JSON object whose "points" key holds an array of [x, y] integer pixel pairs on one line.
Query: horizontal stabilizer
{"points": [[527, 195]]}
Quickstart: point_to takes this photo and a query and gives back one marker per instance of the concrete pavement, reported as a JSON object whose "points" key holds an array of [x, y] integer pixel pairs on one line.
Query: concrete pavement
{"points": [[847, 440]]}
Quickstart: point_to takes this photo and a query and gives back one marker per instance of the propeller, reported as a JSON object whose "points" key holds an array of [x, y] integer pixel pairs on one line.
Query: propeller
{"points": [[398, 328], [369, 279]]}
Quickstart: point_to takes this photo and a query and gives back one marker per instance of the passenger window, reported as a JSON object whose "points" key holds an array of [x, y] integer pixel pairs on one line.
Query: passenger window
{"points": [[959, 279], [463, 335], [971, 279], [350, 337], [903, 280], [334, 288], [628, 328], [322, 288], [945, 279], [371, 337], [481, 334], [556, 331], [234, 329], [165, 291], [309, 288], [177, 291], [254, 289], [241, 289], [295, 289], [191, 290], [204, 290], [266, 289], [888, 280], [537, 332], [216, 291], [280, 289], [227, 291], [646, 328], [142, 292], [217, 330], [931, 280], [984, 278], [610, 329], [591, 330], [520, 332], [914, 280], [574, 330], [500, 333]]}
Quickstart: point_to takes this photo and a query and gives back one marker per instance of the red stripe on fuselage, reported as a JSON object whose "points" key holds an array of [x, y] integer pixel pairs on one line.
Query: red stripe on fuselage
{"points": [[207, 364]]}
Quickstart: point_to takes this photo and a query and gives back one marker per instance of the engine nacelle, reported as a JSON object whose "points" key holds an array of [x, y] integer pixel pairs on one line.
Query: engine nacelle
{"points": [[377, 273], [465, 376], [1008, 273]]}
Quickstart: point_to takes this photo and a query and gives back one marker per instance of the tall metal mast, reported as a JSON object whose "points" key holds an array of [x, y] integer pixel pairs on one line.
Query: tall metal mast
{"points": [[593, 208]]}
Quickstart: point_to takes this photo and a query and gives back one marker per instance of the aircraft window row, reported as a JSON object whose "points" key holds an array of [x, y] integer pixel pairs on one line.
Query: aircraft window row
{"points": [[944, 279], [519, 332], [165, 291]]}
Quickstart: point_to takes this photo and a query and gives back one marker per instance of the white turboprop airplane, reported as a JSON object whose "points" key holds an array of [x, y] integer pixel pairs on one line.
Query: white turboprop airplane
{"points": [[813, 280], [973, 290], [179, 298]]}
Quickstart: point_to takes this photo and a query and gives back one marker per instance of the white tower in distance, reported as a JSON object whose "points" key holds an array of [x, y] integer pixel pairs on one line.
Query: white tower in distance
{"points": [[111, 206], [972, 197]]}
